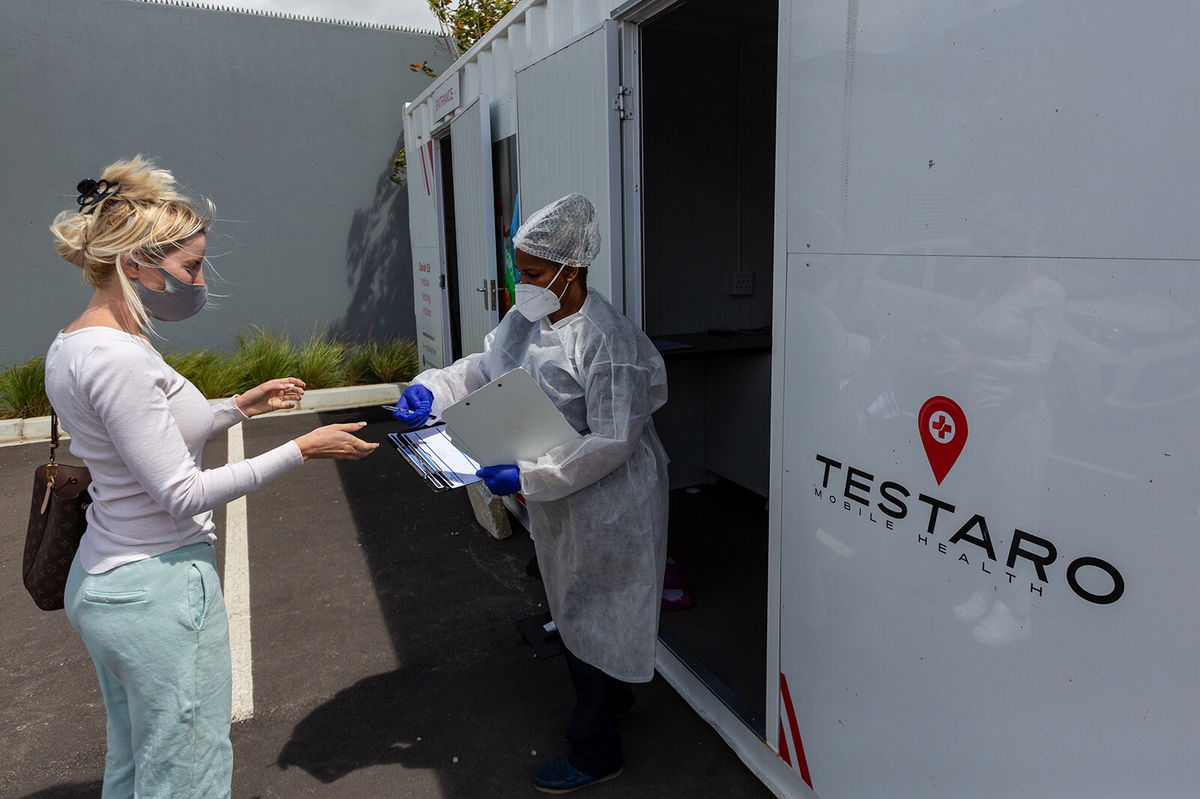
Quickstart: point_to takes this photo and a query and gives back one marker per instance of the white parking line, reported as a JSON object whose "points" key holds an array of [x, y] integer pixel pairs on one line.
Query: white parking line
{"points": [[237, 592]]}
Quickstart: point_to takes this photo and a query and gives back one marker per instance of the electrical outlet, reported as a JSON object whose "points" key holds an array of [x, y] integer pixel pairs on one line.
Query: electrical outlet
{"points": [[741, 284]]}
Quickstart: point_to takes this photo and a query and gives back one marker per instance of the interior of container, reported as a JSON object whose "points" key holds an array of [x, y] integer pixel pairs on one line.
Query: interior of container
{"points": [[707, 105]]}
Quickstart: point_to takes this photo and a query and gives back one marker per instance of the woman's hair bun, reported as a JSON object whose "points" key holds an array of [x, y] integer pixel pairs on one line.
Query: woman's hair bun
{"points": [[142, 181]]}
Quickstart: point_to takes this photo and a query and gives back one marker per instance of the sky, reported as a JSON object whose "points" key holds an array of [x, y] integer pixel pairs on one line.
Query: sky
{"points": [[406, 13]]}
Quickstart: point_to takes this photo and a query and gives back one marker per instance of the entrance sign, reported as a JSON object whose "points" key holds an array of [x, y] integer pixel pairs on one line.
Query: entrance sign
{"points": [[449, 96]]}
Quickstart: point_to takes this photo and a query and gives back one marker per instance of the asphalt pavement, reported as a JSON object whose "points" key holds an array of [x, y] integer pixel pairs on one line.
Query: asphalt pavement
{"points": [[386, 661]]}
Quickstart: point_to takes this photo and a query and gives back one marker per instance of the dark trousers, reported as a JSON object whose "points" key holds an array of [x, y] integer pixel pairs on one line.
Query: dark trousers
{"points": [[592, 730]]}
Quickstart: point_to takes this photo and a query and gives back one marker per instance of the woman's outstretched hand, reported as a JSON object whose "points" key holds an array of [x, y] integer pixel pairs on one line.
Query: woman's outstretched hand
{"points": [[336, 441], [274, 395]]}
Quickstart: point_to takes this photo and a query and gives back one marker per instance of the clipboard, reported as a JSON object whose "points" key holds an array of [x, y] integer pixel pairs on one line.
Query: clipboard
{"points": [[508, 420], [432, 453]]}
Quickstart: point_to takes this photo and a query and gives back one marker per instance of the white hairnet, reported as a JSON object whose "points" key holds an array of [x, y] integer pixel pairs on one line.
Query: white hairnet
{"points": [[566, 230]]}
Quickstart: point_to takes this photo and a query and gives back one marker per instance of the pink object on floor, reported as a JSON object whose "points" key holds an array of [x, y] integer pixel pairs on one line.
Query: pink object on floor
{"points": [[675, 595]]}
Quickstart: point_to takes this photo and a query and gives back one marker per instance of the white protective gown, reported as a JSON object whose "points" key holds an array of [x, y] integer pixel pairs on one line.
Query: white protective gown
{"points": [[597, 505]]}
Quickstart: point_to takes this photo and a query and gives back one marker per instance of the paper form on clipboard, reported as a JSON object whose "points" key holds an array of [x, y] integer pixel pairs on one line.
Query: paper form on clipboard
{"points": [[432, 453]]}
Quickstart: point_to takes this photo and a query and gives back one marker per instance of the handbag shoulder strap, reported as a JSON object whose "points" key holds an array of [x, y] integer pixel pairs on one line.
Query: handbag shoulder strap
{"points": [[53, 433]]}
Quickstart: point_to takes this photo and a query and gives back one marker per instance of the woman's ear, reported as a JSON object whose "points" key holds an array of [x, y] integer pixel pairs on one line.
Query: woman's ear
{"points": [[128, 266]]}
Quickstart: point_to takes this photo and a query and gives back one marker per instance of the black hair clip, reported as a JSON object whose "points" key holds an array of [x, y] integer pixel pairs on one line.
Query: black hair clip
{"points": [[92, 192]]}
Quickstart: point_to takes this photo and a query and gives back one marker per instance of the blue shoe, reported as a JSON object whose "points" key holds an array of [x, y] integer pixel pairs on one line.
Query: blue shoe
{"points": [[559, 776]]}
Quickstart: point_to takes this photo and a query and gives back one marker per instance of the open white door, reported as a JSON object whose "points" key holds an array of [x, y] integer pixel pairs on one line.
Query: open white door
{"points": [[429, 277], [471, 147], [568, 140]]}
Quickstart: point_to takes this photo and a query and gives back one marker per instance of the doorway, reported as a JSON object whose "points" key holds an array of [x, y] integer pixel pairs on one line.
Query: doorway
{"points": [[707, 86], [453, 314]]}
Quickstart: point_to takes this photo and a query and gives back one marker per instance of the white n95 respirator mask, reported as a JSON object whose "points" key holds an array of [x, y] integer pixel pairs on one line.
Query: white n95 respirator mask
{"points": [[536, 302]]}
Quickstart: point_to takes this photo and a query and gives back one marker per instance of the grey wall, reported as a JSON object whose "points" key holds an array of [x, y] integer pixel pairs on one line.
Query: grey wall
{"points": [[289, 126]]}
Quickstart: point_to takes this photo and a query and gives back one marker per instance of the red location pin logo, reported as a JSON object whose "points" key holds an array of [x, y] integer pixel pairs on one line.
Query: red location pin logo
{"points": [[943, 427]]}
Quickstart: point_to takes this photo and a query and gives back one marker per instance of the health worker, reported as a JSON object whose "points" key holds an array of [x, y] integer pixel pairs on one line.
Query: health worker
{"points": [[597, 504]]}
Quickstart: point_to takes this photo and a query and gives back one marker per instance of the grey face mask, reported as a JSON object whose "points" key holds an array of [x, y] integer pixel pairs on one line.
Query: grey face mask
{"points": [[176, 302]]}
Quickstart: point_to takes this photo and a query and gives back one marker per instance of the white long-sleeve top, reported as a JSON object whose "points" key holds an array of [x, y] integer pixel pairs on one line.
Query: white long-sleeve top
{"points": [[140, 427]]}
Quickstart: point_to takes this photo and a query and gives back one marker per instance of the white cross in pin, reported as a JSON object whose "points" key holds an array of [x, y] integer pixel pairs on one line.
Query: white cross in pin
{"points": [[941, 428]]}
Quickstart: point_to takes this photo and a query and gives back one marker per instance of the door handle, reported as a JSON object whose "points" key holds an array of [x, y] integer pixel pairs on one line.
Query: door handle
{"points": [[493, 295], [485, 296]]}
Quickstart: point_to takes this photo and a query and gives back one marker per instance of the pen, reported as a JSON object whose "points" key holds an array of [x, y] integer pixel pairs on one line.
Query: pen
{"points": [[403, 410]]}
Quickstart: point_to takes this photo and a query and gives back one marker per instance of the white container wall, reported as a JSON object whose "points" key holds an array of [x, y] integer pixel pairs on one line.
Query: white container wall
{"points": [[567, 139], [994, 205]]}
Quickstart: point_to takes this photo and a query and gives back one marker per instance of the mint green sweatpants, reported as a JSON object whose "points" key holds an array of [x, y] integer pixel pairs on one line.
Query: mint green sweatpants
{"points": [[157, 632]]}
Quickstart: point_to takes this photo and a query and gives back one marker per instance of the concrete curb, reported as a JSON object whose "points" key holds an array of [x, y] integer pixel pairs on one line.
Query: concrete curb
{"points": [[37, 428], [17, 431], [331, 399]]}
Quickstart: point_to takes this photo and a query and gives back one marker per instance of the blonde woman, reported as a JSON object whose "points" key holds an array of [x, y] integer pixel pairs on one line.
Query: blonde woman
{"points": [[143, 591]]}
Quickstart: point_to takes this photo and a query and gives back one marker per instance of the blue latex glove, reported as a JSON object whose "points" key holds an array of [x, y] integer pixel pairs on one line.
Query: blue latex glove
{"points": [[501, 480], [414, 405]]}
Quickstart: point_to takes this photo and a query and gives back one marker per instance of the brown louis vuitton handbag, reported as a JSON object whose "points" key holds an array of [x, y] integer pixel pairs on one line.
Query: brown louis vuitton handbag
{"points": [[57, 521]]}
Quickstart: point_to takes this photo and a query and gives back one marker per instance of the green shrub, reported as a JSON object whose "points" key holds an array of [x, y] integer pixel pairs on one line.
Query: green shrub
{"points": [[23, 389], [215, 374], [393, 361], [265, 355], [320, 361], [358, 364]]}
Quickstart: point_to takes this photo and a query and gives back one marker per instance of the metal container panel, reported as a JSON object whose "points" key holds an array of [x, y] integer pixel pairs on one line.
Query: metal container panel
{"points": [[567, 140], [994, 204]]}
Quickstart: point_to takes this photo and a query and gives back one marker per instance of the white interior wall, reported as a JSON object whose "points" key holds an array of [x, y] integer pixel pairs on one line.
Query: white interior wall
{"points": [[708, 162], [708, 99]]}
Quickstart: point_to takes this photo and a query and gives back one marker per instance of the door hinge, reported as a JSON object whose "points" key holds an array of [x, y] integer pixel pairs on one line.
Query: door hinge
{"points": [[623, 103], [441, 281]]}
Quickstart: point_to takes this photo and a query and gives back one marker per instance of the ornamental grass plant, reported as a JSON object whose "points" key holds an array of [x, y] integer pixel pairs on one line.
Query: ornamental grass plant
{"points": [[216, 374], [266, 355], [23, 389], [392, 361], [358, 364], [321, 361]]}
